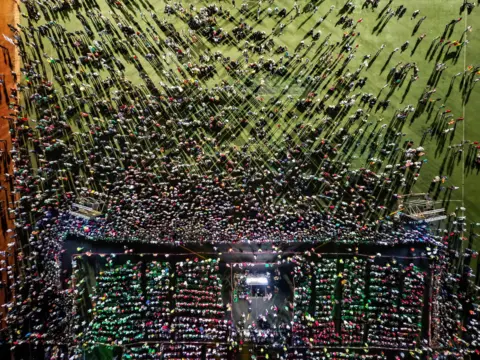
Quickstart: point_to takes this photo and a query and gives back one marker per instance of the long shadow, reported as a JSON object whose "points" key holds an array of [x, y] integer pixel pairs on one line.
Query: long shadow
{"points": [[449, 91], [433, 52], [383, 10], [416, 46], [383, 26], [430, 48], [406, 91], [372, 61], [417, 26], [379, 24], [467, 97], [439, 54], [386, 62]]}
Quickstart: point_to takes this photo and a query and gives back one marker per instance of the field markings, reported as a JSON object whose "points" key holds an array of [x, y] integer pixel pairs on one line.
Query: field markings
{"points": [[463, 110], [461, 262]]}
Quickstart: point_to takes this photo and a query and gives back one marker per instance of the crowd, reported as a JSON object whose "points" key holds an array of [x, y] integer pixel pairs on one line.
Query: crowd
{"points": [[122, 310], [302, 274], [158, 301], [117, 314], [386, 315], [353, 301], [172, 147], [180, 141], [199, 308], [325, 280]]}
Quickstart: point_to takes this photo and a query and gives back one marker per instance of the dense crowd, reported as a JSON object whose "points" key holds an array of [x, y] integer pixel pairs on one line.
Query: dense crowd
{"points": [[331, 305], [177, 140], [167, 159]]}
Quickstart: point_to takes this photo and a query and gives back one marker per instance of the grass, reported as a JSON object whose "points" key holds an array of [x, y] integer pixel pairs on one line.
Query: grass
{"points": [[374, 31]]}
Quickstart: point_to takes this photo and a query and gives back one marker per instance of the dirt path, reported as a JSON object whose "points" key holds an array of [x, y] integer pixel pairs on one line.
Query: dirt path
{"points": [[9, 14]]}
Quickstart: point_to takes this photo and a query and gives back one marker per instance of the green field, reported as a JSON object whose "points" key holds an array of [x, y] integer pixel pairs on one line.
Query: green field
{"points": [[375, 30]]}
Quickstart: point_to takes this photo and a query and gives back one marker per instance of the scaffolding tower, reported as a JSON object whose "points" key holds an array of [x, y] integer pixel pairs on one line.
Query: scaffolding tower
{"points": [[420, 207]]}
